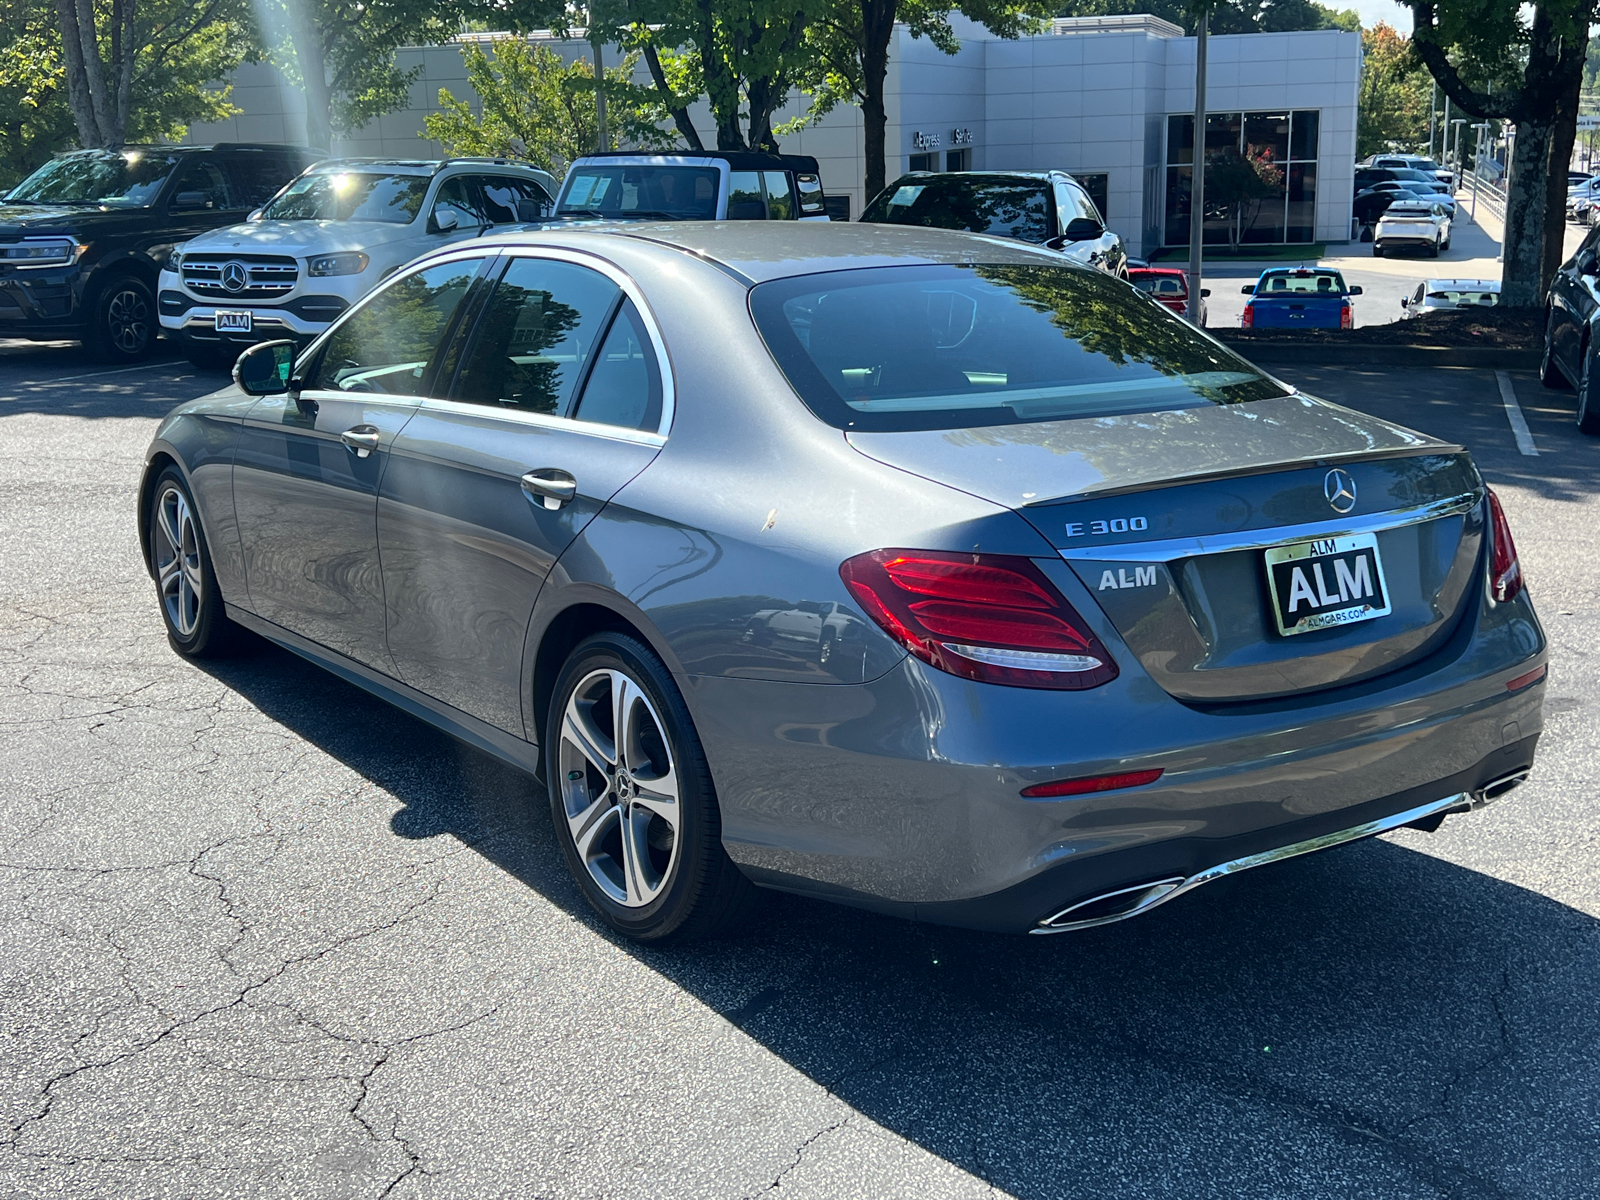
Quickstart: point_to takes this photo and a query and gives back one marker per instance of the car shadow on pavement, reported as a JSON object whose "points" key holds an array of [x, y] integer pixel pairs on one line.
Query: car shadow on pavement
{"points": [[64, 380], [1376, 1019]]}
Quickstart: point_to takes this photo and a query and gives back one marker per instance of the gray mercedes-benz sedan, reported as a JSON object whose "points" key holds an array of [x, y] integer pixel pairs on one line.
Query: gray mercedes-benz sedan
{"points": [[911, 569]]}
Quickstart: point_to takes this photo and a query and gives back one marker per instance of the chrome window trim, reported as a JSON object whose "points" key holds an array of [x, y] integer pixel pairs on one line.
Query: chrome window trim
{"points": [[1171, 549], [631, 290], [540, 420]]}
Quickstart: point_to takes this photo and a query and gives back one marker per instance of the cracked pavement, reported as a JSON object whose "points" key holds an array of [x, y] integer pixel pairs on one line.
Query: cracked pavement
{"points": [[261, 936]]}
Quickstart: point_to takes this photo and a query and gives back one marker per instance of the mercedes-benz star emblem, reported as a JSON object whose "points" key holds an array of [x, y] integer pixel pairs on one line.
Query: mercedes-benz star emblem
{"points": [[1340, 489], [234, 276]]}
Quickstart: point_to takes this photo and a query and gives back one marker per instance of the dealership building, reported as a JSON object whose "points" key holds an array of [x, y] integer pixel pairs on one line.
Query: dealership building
{"points": [[1109, 99]]}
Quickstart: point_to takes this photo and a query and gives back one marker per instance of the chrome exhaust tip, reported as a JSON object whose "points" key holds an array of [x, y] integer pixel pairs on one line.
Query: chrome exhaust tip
{"points": [[1494, 790], [1112, 906]]}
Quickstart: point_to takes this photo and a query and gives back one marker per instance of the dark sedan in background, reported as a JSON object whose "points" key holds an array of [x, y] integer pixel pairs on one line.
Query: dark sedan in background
{"points": [[1572, 322], [1047, 208], [83, 239], [919, 571]]}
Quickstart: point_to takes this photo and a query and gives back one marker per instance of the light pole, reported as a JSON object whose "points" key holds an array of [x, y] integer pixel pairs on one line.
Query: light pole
{"points": [[1197, 184], [597, 45]]}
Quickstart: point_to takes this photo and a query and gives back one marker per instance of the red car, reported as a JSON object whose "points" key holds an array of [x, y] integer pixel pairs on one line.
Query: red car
{"points": [[1170, 287]]}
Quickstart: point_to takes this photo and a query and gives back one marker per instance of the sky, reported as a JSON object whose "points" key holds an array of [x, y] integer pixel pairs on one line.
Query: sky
{"points": [[1373, 11]]}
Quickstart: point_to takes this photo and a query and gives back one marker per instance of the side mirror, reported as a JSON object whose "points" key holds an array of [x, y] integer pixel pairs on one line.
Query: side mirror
{"points": [[1405, 301], [1205, 292], [264, 369], [444, 220], [1355, 291], [255, 215], [190, 200], [531, 210], [1082, 229], [1248, 289]]}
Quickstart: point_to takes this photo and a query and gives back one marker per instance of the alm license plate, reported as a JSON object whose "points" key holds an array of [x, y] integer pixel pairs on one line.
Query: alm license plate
{"points": [[1328, 582], [233, 321]]}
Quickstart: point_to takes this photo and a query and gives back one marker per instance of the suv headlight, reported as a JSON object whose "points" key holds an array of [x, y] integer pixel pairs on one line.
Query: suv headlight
{"points": [[42, 252], [352, 262]]}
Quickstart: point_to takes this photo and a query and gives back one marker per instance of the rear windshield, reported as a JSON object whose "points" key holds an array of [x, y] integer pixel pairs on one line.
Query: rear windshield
{"points": [[1159, 285], [1457, 297], [1302, 283], [350, 196], [1018, 208], [955, 347], [660, 193]]}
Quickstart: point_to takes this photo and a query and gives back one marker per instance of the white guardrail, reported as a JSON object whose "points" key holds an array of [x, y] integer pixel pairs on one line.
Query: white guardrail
{"points": [[1481, 191]]}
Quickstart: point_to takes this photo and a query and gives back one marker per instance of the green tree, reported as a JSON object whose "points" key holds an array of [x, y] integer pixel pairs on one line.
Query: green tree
{"points": [[341, 54], [1521, 63], [849, 46], [537, 107], [1237, 16], [1394, 95], [132, 69], [34, 118]]}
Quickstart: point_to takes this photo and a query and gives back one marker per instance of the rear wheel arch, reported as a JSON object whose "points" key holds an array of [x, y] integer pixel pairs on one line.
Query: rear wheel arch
{"points": [[561, 636], [159, 462]]}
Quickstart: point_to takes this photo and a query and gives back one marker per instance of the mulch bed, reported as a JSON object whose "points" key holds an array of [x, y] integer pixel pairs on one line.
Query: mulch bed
{"points": [[1497, 328]]}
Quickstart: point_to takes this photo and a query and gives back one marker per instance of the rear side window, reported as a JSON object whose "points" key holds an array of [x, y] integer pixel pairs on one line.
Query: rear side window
{"points": [[780, 197], [745, 201], [536, 335], [952, 347], [812, 202], [624, 387]]}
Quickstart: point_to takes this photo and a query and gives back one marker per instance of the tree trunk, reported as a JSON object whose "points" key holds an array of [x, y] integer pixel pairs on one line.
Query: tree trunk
{"points": [[722, 89], [877, 28], [1562, 138], [124, 52], [1522, 250], [313, 77], [78, 99], [680, 114], [95, 74]]}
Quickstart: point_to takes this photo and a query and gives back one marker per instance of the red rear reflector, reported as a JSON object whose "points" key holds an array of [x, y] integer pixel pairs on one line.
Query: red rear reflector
{"points": [[1505, 573], [1097, 783], [1247, 319], [1522, 681], [994, 618]]}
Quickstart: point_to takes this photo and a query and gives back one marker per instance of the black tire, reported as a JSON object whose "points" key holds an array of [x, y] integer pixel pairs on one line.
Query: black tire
{"points": [[1377, 250], [695, 890], [1588, 402], [1433, 250], [197, 626], [122, 321], [1550, 373]]}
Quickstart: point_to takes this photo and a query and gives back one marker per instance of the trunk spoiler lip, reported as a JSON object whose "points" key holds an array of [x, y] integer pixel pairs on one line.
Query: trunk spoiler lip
{"points": [[1446, 449], [1171, 549]]}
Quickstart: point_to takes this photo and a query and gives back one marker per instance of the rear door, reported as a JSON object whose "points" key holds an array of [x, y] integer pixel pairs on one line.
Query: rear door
{"points": [[561, 399], [1572, 302]]}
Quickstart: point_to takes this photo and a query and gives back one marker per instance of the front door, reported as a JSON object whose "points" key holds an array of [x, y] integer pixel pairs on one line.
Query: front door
{"points": [[306, 473], [562, 384]]}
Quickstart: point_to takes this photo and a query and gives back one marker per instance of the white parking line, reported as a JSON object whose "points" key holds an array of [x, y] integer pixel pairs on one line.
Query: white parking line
{"points": [[1519, 424], [98, 374]]}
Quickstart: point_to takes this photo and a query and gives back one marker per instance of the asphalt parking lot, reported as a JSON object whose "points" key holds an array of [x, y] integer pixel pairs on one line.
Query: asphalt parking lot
{"points": [[261, 936]]}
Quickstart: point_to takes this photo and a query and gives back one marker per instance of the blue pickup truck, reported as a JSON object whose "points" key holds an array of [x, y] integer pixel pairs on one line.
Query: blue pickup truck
{"points": [[1298, 298]]}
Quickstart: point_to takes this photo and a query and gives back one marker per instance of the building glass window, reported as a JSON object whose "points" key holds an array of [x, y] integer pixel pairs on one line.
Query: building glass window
{"points": [[958, 160], [1268, 158], [924, 162]]}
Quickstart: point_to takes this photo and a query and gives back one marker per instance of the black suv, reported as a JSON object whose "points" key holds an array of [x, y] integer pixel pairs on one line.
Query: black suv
{"points": [[83, 238], [1049, 208]]}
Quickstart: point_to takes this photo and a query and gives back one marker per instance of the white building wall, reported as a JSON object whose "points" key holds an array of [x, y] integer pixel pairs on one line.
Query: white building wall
{"points": [[1090, 96]]}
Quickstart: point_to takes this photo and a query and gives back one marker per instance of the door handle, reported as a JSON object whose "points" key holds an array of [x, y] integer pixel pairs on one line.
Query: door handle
{"points": [[550, 487], [363, 439]]}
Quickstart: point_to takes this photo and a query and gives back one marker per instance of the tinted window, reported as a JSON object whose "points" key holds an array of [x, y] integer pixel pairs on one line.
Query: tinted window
{"points": [[388, 344], [132, 178], [459, 195], [257, 177], [535, 336], [745, 202], [1018, 208], [780, 200], [1074, 203], [949, 347], [508, 201], [201, 184], [624, 385], [676, 193], [351, 196]]}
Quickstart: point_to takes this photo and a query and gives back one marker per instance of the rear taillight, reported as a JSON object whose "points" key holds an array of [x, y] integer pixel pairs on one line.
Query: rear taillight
{"points": [[990, 617], [1347, 316], [1247, 319], [1505, 574]]}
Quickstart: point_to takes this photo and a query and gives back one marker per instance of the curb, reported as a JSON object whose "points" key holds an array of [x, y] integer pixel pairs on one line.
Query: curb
{"points": [[1322, 354]]}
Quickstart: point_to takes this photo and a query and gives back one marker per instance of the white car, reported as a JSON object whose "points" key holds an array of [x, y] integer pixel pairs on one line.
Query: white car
{"points": [[1414, 162], [1412, 224], [326, 240], [1440, 295]]}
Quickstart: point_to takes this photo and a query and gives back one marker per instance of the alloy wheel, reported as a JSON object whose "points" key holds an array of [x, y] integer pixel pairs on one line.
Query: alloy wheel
{"points": [[128, 320], [619, 788], [177, 560]]}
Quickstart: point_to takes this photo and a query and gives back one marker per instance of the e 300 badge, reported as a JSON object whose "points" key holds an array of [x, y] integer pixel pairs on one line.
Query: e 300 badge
{"points": [[1115, 525]]}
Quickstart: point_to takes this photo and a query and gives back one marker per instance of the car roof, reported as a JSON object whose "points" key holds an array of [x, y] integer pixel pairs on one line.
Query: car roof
{"points": [[737, 160], [1405, 206], [423, 166], [1158, 271], [214, 147], [958, 176], [758, 251]]}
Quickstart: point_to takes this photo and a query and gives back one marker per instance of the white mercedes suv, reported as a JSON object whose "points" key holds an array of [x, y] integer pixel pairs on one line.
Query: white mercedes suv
{"points": [[326, 240]]}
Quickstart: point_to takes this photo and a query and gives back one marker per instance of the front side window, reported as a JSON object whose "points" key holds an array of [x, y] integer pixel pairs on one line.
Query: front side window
{"points": [[1018, 208], [536, 335], [456, 196], [351, 196], [201, 184], [954, 347], [1074, 204], [126, 179], [390, 344], [507, 201], [646, 192]]}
